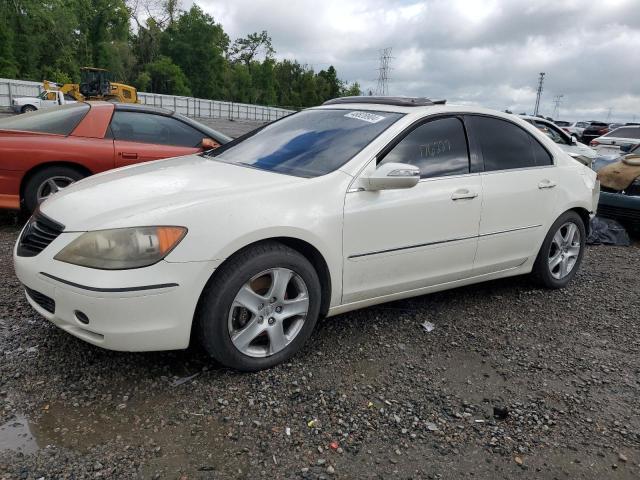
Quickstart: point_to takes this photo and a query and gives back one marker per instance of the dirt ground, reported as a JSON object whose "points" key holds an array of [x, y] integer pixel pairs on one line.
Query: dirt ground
{"points": [[512, 382]]}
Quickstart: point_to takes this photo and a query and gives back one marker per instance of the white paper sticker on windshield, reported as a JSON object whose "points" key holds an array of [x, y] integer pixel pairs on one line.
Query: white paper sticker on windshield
{"points": [[365, 116]]}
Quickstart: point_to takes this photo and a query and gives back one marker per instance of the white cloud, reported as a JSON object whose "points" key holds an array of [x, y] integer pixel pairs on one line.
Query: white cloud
{"points": [[486, 52]]}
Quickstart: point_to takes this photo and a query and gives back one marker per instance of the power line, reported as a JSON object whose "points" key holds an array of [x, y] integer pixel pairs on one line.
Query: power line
{"points": [[383, 72], [557, 100], [540, 82]]}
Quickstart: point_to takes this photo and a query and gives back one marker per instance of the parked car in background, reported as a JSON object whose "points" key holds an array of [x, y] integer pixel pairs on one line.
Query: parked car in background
{"points": [[620, 188], [44, 151], [615, 140], [574, 129], [566, 142], [613, 126], [361, 201], [594, 130], [47, 99]]}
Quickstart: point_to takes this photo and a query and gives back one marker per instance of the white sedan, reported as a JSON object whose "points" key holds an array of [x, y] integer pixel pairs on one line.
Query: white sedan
{"points": [[358, 202], [566, 142], [616, 141]]}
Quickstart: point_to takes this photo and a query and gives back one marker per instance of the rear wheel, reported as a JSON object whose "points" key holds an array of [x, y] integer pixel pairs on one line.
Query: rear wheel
{"points": [[561, 253], [260, 307], [46, 182]]}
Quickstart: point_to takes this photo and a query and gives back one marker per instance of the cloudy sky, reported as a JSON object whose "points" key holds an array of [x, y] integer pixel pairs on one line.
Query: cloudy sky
{"points": [[481, 52]]}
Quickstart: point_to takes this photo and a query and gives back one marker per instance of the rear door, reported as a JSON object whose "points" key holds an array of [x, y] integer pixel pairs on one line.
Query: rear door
{"points": [[143, 136], [518, 186]]}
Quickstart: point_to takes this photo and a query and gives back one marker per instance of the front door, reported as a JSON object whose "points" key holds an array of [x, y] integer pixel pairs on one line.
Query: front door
{"points": [[402, 240], [142, 136]]}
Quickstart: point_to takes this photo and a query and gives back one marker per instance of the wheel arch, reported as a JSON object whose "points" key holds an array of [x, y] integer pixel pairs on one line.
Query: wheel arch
{"points": [[43, 166], [584, 215], [307, 250]]}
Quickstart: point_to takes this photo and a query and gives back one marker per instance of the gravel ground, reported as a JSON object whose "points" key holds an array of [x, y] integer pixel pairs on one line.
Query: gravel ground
{"points": [[513, 382]]}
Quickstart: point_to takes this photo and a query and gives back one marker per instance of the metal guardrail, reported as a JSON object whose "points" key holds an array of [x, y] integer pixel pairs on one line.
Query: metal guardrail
{"points": [[192, 107]]}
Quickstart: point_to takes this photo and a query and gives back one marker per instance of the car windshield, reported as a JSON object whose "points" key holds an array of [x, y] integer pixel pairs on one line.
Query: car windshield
{"points": [[57, 120], [309, 143]]}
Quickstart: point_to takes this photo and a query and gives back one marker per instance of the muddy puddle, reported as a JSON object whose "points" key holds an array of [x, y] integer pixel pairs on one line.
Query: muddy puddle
{"points": [[182, 441], [16, 435]]}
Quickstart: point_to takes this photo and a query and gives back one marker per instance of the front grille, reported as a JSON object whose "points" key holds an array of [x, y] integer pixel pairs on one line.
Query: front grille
{"points": [[38, 234], [621, 214], [41, 299]]}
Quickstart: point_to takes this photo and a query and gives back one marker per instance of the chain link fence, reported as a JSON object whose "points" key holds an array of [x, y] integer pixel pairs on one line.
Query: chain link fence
{"points": [[192, 107]]}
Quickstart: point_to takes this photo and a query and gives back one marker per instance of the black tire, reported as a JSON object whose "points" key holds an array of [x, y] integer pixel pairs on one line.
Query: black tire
{"points": [[541, 272], [212, 315], [28, 108], [30, 194]]}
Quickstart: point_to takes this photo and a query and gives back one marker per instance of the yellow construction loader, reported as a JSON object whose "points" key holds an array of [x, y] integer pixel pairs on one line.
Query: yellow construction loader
{"points": [[95, 85]]}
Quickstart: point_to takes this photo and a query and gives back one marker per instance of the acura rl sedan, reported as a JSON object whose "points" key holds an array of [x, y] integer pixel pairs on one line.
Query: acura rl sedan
{"points": [[357, 202]]}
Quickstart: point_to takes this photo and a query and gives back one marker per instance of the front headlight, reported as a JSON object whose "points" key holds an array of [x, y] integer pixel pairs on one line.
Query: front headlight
{"points": [[122, 248]]}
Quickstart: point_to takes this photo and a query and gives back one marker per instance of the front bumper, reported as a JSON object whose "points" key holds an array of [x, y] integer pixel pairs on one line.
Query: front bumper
{"points": [[142, 309]]}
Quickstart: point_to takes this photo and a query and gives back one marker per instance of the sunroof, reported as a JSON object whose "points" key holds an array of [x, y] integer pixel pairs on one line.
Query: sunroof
{"points": [[397, 101]]}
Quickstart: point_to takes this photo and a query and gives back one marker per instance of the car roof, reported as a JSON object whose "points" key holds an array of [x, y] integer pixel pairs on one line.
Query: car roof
{"points": [[139, 107]]}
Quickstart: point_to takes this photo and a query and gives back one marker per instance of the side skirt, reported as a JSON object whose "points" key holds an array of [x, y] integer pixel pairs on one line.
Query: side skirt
{"points": [[509, 272]]}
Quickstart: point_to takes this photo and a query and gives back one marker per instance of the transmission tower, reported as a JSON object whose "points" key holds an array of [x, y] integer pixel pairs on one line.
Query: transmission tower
{"points": [[609, 113], [540, 82], [383, 72], [557, 100]]}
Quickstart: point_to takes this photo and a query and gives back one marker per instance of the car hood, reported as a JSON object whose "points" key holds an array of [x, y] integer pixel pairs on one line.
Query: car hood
{"points": [[133, 195]]}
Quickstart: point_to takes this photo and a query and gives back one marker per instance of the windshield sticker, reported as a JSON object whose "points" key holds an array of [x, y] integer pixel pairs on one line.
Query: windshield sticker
{"points": [[365, 116]]}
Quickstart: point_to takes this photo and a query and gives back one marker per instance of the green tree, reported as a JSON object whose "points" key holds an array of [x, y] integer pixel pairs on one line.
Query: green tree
{"points": [[334, 85], [103, 35], [351, 91], [172, 51], [247, 49], [197, 44], [164, 76]]}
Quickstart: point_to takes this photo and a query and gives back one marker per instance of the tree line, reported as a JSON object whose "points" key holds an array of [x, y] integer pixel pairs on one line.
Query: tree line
{"points": [[157, 47]]}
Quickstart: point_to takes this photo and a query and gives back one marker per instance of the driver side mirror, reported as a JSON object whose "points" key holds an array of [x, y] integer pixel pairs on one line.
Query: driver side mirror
{"points": [[389, 176], [209, 144]]}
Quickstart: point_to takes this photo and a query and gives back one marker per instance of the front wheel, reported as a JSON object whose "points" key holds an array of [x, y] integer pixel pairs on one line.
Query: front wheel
{"points": [[28, 108], [259, 308], [561, 253]]}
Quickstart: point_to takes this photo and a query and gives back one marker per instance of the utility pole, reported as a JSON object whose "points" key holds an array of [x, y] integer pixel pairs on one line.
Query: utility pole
{"points": [[540, 82], [383, 72], [609, 113], [557, 100]]}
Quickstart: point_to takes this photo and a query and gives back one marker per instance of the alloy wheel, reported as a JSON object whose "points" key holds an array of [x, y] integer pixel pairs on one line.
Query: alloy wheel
{"points": [[564, 250], [52, 185], [268, 312]]}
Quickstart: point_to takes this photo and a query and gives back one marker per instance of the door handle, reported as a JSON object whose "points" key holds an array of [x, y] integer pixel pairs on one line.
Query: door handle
{"points": [[463, 194], [546, 184], [129, 155]]}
